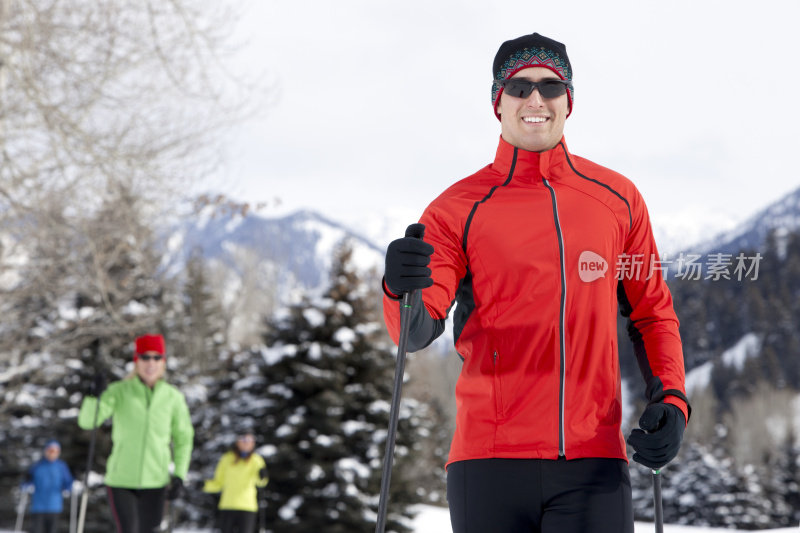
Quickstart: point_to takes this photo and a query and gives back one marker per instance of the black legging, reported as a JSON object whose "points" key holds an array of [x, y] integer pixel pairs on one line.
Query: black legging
{"points": [[45, 522], [540, 496], [137, 510], [237, 521]]}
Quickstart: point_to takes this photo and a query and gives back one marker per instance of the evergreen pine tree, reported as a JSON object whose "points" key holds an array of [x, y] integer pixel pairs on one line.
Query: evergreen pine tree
{"points": [[200, 331], [780, 477], [329, 368], [705, 488]]}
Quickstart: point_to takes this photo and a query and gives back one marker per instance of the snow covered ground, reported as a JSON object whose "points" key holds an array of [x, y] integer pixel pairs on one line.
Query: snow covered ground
{"points": [[437, 520]]}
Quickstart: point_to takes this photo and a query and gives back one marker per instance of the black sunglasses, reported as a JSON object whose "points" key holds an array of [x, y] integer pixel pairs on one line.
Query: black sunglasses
{"points": [[522, 88], [151, 357]]}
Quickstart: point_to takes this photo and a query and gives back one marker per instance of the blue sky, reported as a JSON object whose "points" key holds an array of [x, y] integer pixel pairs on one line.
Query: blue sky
{"points": [[378, 106]]}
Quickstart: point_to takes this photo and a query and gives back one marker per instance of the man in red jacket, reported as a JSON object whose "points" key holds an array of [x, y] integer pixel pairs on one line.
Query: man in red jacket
{"points": [[540, 249]]}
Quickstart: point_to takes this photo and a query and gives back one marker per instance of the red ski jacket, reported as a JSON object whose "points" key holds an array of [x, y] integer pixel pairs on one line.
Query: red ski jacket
{"points": [[539, 251]]}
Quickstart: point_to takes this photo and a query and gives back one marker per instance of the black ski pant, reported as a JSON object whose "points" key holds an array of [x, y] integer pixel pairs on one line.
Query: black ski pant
{"points": [[237, 521], [44, 522], [137, 510], [540, 496]]}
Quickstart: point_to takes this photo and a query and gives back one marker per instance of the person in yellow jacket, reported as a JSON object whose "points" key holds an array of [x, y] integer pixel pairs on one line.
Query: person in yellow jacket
{"points": [[238, 476], [148, 415]]}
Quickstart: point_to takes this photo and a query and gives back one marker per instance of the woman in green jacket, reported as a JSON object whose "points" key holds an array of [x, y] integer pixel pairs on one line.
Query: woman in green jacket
{"points": [[238, 475], [147, 415]]}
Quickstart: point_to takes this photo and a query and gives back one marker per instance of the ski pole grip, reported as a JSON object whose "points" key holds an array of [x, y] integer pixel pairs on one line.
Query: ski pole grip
{"points": [[416, 231]]}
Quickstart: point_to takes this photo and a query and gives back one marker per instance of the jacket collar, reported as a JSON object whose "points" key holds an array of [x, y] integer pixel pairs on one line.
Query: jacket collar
{"points": [[530, 166], [143, 385]]}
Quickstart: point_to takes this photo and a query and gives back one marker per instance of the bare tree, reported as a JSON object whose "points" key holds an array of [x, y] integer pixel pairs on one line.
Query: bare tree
{"points": [[760, 424], [705, 416], [254, 296], [110, 111], [109, 91]]}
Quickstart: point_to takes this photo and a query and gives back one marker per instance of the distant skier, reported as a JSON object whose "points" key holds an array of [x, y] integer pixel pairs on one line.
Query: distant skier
{"points": [[148, 414], [49, 479], [238, 476]]}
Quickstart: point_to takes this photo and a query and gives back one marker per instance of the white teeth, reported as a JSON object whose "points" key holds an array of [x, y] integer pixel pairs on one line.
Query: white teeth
{"points": [[534, 119]]}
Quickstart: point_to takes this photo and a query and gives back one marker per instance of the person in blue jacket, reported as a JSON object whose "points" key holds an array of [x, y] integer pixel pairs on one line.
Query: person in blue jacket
{"points": [[48, 478]]}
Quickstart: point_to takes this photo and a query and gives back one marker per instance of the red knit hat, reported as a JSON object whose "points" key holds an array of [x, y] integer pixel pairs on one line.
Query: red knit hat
{"points": [[149, 343]]}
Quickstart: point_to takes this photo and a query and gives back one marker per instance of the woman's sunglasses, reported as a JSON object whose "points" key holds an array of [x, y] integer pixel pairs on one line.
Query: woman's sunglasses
{"points": [[522, 88], [151, 357]]}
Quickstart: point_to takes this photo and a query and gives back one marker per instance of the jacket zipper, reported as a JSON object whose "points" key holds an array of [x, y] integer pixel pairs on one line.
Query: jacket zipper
{"points": [[147, 399], [562, 321], [498, 398]]}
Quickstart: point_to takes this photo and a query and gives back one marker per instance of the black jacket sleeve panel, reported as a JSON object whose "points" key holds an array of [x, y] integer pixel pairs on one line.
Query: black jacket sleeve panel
{"points": [[423, 328]]}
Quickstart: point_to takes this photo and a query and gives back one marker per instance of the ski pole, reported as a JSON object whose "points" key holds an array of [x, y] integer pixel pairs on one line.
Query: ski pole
{"points": [[23, 502], [659, 510], [262, 512], [73, 508], [417, 231], [89, 460], [173, 516]]}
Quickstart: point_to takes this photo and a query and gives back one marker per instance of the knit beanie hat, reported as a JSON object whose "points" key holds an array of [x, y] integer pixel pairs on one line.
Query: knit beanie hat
{"points": [[532, 50], [52, 443], [149, 343]]}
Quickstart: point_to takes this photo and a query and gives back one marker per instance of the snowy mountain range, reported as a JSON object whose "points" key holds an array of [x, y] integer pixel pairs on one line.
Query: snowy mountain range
{"points": [[294, 251], [782, 216], [700, 378]]}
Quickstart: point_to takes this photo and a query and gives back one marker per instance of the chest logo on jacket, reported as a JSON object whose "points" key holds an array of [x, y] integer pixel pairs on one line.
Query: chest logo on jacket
{"points": [[591, 266]]}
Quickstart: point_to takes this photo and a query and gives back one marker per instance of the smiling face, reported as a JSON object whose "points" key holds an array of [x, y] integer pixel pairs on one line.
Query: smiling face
{"points": [[150, 367], [534, 123]]}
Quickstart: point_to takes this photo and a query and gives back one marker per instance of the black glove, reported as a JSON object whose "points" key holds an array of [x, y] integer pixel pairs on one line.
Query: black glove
{"points": [[175, 488], [262, 473], [98, 384], [658, 444], [407, 262]]}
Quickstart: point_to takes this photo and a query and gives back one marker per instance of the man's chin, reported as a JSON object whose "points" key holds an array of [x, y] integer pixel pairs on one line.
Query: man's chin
{"points": [[539, 146]]}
